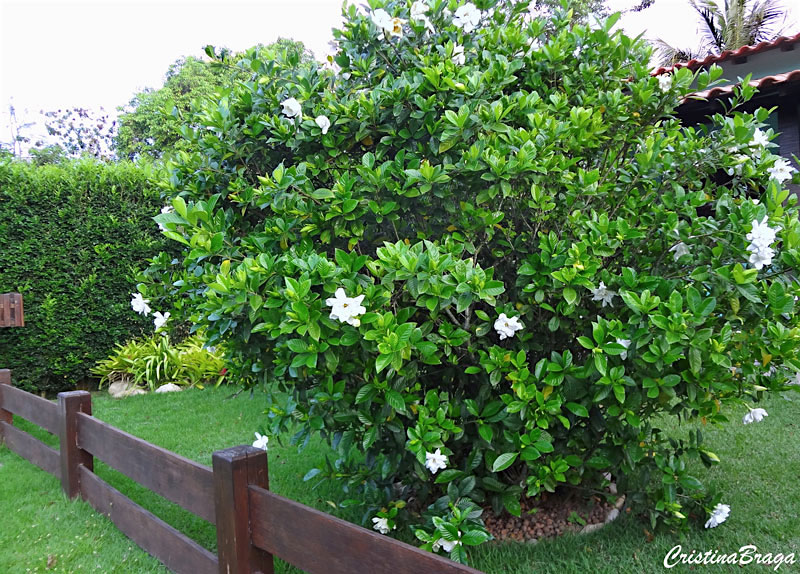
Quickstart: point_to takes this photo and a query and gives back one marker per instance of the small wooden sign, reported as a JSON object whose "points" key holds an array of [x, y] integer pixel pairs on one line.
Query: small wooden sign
{"points": [[11, 313]]}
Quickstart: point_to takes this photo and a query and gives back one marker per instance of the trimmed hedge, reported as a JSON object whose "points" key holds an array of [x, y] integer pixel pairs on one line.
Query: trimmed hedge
{"points": [[72, 237]]}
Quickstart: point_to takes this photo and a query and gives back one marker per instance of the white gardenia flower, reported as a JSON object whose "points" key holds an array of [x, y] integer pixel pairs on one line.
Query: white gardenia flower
{"points": [[160, 320], [761, 237], [602, 293], [760, 257], [291, 108], [381, 525], [435, 461], [467, 17], [448, 545], [754, 416], [458, 57], [679, 250], [261, 441], [665, 82], [140, 304], [419, 11], [324, 123], [761, 234], [718, 515], [346, 309], [388, 25], [507, 326], [760, 139], [781, 170], [625, 343]]}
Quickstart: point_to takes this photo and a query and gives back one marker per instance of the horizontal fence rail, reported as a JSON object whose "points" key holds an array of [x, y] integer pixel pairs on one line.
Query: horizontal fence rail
{"points": [[176, 551], [319, 543], [37, 410], [30, 449], [253, 524], [180, 480]]}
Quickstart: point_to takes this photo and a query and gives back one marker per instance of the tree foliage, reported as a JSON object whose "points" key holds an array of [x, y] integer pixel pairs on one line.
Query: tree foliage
{"points": [[737, 23], [150, 123]]}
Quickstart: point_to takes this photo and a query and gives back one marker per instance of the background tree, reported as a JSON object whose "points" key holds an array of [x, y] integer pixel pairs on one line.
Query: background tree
{"points": [[149, 124], [737, 23], [78, 132]]}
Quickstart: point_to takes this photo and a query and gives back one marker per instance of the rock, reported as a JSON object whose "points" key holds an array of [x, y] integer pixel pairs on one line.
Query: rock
{"points": [[612, 515], [591, 528], [120, 389], [168, 388], [134, 392], [620, 502]]}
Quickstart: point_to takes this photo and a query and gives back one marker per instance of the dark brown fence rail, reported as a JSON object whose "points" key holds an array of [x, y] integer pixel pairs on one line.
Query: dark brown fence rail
{"points": [[11, 312], [253, 524], [186, 483]]}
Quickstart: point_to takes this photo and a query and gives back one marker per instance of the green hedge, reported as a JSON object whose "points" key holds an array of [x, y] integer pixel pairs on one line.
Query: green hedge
{"points": [[72, 237]]}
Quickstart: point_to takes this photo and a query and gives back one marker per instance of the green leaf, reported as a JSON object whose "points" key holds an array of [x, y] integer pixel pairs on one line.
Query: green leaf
{"points": [[297, 345], [311, 474], [695, 360], [570, 296], [382, 361], [511, 503], [486, 432], [449, 475], [395, 400], [503, 461], [577, 410]]}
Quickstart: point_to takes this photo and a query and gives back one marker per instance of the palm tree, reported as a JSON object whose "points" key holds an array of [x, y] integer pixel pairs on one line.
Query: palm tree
{"points": [[735, 24]]}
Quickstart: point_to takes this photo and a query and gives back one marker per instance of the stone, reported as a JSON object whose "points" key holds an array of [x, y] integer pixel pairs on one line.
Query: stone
{"points": [[134, 392], [120, 389], [168, 388], [612, 515], [591, 528]]}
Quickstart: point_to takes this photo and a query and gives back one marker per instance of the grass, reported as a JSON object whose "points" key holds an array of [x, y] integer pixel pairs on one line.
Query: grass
{"points": [[758, 476]]}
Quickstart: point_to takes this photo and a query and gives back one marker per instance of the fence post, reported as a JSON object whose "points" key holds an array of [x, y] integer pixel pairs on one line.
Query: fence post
{"points": [[72, 456], [5, 416], [234, 469]]}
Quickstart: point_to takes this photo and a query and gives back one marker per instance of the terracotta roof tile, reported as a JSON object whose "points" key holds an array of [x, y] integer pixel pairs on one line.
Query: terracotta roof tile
{"points": [[765, 82], [731, 54]]}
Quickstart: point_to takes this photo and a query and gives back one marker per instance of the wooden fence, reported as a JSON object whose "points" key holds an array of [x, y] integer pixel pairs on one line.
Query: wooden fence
{"points": [[253, 524]]}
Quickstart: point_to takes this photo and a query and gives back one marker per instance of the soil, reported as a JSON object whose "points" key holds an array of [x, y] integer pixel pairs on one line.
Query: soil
{"points": [[550, 515]]}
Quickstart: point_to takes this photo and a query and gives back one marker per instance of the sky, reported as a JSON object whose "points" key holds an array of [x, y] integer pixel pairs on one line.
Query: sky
{"points": [[92, 53]]}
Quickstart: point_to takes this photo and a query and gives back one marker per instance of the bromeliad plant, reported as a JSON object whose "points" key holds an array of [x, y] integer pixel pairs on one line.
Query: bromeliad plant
{"points": [[481, 257]]}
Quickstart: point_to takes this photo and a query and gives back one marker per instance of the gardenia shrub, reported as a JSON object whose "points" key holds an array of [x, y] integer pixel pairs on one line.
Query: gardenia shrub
{"points": [[482, 261]]}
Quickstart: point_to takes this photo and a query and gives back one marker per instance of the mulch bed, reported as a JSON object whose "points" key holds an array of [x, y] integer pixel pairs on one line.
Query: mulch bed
{"points": [[550, 515]]}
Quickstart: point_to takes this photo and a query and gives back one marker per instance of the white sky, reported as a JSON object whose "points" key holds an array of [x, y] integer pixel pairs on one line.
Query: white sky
{"points": [[56, 54]]}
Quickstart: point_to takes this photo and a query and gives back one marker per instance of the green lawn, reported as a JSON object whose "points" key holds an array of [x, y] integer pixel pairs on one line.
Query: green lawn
{"points": [[759, 476]]}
